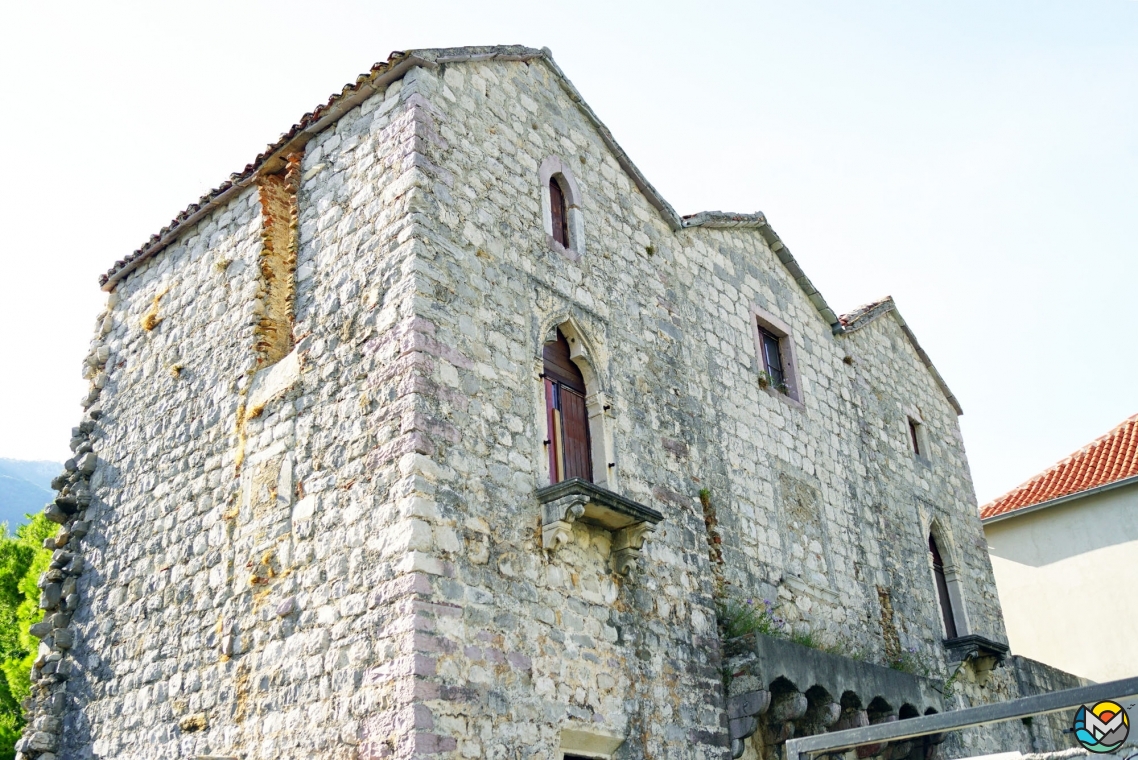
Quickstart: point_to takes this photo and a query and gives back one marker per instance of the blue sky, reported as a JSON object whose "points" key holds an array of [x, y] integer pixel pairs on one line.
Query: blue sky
{"points": [[978, 161]]}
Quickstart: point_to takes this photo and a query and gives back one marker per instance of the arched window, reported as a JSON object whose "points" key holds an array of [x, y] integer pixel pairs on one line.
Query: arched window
{"points": [[942, 593], [566, 413], [559, 212], [561, 208]]}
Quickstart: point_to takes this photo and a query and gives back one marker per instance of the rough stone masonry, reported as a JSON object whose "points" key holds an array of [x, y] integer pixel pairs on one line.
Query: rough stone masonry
{"points": [[309, 512]]}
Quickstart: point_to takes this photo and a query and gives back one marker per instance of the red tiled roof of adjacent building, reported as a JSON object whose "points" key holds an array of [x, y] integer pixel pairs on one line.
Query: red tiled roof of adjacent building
{"points": [[1106, 460]]}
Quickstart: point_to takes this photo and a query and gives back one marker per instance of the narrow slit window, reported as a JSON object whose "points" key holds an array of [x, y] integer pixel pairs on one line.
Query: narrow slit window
{"points": [[567, 417], [915, 437], [942, 591], [772, 357], [560, 213]]}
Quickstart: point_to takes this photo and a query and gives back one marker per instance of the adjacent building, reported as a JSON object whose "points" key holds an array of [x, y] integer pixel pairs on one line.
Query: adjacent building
{"points": [[1064, 548]]}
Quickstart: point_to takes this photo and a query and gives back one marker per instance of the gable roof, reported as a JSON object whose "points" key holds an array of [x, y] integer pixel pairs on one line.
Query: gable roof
{"points": [[1106, 461], [382, 74], [864, 315], [399, 63]]}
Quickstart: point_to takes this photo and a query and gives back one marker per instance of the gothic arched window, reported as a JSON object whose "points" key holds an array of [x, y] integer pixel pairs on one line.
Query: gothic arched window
{"points": [[942, 590], [567, 416]]}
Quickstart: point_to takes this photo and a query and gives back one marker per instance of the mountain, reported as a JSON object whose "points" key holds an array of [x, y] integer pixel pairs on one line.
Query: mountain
{"points": [[25, 487]]}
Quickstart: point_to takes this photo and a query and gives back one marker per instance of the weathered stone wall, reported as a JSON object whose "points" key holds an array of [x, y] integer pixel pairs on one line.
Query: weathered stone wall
{"points": [[1046, 731], [252, 571], [901, 496], [181, 338], [820, 505], [340, 554]]}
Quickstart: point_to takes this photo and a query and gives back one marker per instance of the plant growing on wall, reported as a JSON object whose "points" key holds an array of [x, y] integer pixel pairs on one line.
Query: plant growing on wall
{"points": [[738, 617], [908, 662], [764, 379]]}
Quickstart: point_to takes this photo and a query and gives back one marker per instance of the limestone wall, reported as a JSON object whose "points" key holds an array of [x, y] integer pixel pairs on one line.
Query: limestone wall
{"points": [[1047, 731], [339, 554], [251, 567], [821, 505]]}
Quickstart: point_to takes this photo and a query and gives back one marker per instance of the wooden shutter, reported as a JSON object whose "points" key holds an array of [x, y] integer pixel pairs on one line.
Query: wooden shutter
{"points": [[557, 207], [575, 428], [559, 367], [942, 591]]}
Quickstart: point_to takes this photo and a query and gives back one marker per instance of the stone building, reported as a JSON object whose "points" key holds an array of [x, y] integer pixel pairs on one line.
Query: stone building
{"points": [[436, 432]]}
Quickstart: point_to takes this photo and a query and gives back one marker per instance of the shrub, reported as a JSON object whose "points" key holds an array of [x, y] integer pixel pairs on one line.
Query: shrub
{"points": [[22, 560]]}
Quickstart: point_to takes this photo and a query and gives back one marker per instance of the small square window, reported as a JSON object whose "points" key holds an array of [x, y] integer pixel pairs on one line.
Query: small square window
{"points": [[919, 440], [775, 347]]}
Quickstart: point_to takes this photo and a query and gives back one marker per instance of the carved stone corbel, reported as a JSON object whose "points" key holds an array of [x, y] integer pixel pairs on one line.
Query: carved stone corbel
{"points": [[626, 546], [573, 500], [557, 518]]}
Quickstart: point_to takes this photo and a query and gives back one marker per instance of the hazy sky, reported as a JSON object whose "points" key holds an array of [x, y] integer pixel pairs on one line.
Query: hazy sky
{"points": [[976, 160]]}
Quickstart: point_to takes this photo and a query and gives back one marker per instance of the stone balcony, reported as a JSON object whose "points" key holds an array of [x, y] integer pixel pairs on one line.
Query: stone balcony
{"points": [[573, 500]]}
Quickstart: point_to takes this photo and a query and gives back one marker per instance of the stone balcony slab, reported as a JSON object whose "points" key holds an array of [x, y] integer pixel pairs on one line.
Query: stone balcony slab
{"points": [[577, 500]]}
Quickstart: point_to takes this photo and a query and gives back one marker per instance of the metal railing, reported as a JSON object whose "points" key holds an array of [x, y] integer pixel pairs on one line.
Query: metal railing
{"points": [[839, 741]]}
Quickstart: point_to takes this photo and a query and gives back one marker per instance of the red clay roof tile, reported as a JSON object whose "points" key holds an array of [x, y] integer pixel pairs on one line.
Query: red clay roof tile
{"points": [[1110, 458]]}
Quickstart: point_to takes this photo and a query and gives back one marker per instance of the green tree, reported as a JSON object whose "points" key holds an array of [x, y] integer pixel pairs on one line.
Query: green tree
{"points": [[22, 560]]}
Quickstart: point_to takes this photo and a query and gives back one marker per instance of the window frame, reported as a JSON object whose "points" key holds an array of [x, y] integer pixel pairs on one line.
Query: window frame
{"points": [[600, 429], [944, 598], [763, 321], [587, 744], [918, 437]]}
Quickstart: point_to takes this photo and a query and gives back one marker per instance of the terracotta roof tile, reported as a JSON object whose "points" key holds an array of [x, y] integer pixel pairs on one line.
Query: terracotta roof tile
{"points": [[1110, 458]]}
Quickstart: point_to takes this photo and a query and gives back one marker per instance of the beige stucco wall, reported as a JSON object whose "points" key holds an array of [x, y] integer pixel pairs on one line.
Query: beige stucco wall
{"points": [[1068, 580]]}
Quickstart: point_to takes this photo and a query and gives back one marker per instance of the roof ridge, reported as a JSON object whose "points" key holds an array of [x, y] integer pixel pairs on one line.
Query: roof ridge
{"points": [[868, 313]]}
